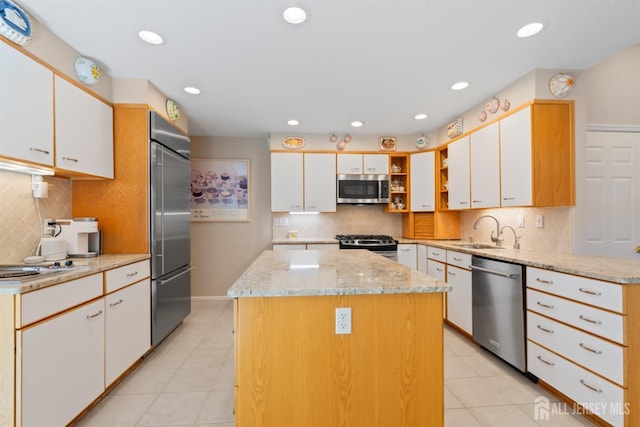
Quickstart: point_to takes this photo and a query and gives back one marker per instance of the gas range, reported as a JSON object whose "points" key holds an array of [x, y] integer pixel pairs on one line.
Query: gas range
{"points": [[385, 245]]}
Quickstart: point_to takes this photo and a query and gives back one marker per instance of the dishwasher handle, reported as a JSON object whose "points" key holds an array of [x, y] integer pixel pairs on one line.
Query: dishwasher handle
{"points": [[497, 273]]}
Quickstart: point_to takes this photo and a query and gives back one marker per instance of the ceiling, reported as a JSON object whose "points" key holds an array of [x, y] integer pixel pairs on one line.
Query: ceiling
{"points": [[380, 61]]}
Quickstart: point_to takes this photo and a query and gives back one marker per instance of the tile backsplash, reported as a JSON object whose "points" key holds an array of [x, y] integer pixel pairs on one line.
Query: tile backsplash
{"points": [[20, 215]]}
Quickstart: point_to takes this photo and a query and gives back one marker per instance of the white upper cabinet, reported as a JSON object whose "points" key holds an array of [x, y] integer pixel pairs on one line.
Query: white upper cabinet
{"points": [[84, 131], [319, 182], [376, 163], [485, 167], [287, 181], [363, 164], [423, 192], [26, 108], [350, 163], [515, 159], [459, 174]]}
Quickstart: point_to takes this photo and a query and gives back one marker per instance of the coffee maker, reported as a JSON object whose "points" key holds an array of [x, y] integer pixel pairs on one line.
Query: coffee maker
{"points": [[81, 235]]}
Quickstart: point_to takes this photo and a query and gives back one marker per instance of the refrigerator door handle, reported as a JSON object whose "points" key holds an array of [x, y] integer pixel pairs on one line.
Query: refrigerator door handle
{"points": [[182, 273]]}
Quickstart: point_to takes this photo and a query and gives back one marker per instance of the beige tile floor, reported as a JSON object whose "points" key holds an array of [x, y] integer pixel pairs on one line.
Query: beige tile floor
{"points": [[188, 381]]}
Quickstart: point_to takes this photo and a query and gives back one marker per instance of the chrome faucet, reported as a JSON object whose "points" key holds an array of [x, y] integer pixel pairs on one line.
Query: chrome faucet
{"points": [[496, 239], [516, 243]]}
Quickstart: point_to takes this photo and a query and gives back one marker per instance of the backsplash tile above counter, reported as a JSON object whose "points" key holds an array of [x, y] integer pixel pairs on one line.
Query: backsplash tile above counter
{"points": [[20, 226]]}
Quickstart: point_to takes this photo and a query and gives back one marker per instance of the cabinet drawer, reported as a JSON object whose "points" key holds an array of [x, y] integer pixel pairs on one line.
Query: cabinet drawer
{"points": [[595, 354], [48, 301], [120, 277], [459, 259], [437, 253], [600, 322], [436, 269], [589, 291], [602, 397]]}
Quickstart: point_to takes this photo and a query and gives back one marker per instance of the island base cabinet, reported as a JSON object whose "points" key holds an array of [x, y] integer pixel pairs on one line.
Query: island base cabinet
{"points": [[293, 370], [60, 366]]}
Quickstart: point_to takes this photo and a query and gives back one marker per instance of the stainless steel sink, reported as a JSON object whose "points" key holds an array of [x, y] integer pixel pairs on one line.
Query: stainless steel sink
{"points": [[477, 246]]}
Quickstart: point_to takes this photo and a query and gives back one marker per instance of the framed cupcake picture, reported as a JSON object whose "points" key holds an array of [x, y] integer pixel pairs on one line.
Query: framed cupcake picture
{"points": [[387, 143], [220, 190]]}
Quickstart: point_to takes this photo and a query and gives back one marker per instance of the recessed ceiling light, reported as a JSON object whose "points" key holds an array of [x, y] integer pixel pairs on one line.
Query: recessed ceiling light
{"points": [[357, 123], [192, 90], [150, 37], [294, 15], [420, 116], [459, 86], [293, 122], [530, 29]]}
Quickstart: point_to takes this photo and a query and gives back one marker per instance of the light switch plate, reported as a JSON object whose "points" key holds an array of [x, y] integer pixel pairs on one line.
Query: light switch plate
{"points": [[521, 221], [539, 221]]}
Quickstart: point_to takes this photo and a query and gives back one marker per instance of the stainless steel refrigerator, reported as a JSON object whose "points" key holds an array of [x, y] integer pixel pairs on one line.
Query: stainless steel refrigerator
{"points": [[170, 232]]}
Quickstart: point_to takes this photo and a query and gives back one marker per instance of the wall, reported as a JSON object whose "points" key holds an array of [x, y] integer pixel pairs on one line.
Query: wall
{"points": [[20, 219], [221, 251]]}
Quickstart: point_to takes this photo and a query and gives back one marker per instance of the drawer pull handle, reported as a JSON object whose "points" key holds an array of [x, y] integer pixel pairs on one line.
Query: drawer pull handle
{"points": [[586, 319], [546, 362], [113, 304], [592, 350], [545, 305], [91, 316], [438, 268], [508, 198], [587, 385], [70, 159], [39, 150], [587, 291], [549, 331], [457, 259], [135, 273], [435, 253], [451, 273], [546, 282]]}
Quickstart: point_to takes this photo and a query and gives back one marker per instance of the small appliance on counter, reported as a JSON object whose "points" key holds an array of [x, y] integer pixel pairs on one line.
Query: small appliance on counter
{"points": [[52, 249], [81, 235]]}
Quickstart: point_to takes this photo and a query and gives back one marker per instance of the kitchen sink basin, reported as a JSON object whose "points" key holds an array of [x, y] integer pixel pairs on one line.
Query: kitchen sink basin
{"points": [[477, 246], [11, 274]]}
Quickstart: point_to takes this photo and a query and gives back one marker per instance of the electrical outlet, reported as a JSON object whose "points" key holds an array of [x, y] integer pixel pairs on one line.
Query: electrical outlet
{"points": [[276, 222], [521, 221], [343, 321], [539, 221], [284, 221]]}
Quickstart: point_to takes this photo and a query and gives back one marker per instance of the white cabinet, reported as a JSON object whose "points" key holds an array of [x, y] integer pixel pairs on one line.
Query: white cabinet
{"points": [[291, 247], [422, 179], [287, 182], [459, 174], [303, 182], [459, 303], [408, 255], [61, 365], [376, 163], [515, 159], [83, 131], [422, 259], [323, 246], [363, 164], [436, 269], [127, 329], [319, 182], [26, 108], [485, 167]]}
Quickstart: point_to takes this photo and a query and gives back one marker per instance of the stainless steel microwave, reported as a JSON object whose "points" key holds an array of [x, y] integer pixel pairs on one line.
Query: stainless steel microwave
{"points": [[363, 189]]}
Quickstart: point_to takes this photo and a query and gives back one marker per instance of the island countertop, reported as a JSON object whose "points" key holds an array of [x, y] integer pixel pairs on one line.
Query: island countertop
{"points": [[315, 272]]}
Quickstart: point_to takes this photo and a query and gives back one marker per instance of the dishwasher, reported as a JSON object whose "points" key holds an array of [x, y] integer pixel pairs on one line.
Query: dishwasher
{"points": [[498, 309]]}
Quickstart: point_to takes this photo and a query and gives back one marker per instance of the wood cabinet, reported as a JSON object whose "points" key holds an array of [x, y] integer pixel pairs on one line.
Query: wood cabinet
{"points": [[537, 155], [303, 182], [363, 163], [580, 339], [399, 184], [26, 108], [485, 167], [422, 180], [84, 131]]}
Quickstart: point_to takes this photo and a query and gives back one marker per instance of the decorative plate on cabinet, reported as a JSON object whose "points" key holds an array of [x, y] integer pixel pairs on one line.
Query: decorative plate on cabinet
{"points": [[14, 23], [87, 70], [561, 84], [293, 143], [172, 110], [493, 106], [423, 142]]}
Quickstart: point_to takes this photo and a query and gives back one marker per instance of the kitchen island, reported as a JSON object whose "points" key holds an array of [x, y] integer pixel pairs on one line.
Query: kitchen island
{"points": [[293, 369]]}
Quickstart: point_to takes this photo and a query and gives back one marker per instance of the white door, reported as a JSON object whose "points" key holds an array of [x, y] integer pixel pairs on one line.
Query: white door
{"points": [[286, 182], [515, 159], [459, 304], [608, 219], [485, 167], [423, 191], [349, 163], [320, 182], [408, 255], [376, 163], [459, 178]]}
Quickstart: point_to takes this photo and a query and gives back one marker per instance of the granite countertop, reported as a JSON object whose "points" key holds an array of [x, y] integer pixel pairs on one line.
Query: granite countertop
{"points": [[317, 272], [304, 240], [94, 265], [616, 270]]}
